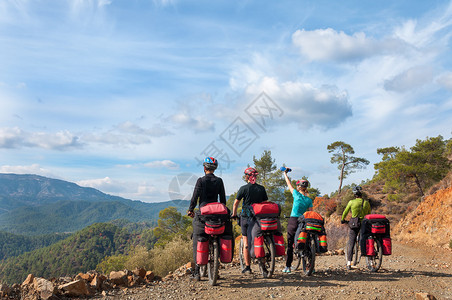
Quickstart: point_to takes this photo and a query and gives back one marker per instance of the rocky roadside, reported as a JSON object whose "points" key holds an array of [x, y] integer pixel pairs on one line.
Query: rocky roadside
{"points": [[412, 272]]}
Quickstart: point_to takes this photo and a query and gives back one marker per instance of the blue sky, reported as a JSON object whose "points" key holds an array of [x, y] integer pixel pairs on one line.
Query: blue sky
{"points": [[127, 96]]}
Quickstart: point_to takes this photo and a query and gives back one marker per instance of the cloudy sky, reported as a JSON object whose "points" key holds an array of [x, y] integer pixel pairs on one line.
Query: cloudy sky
{"points": [[128, 96]]}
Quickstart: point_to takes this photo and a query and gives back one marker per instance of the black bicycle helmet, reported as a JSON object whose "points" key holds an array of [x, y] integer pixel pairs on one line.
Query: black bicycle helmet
{"points": [[210, 163], [357, 190]]}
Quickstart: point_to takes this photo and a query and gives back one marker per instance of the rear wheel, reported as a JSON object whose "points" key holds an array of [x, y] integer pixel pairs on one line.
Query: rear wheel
{"points": [[267, 263], [374, 262], [214, 262], [241, 257], [297, 259], [308, 259], [355, 256], [203, 270]]}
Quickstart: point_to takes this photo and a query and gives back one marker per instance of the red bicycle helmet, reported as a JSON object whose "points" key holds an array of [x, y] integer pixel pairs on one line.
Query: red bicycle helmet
{"points": [[303, 183], [251, 171]]}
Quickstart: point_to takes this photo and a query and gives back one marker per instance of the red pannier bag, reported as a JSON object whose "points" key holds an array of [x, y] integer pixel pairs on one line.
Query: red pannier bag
{"points": [[323, 244], [370, 249], [268, 224], [313, 221], [379, 224], [202, 251], [214, 208], [387, 246], [214, 227], [279, 245], [266, 209], [259, 250], [226, 249]]}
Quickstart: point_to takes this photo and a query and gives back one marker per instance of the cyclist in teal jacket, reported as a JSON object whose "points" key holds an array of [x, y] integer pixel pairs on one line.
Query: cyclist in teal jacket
{"points": [[301, 203]]}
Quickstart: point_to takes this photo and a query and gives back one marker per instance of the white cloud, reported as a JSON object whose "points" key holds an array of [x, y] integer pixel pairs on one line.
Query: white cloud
{"points": [[105, 184], [131, 128], [166, 164], [31, 169], [127, 133], [328, 44], [196, 123], [12, 138], [446, 80], [305, 104], [412, 78]]}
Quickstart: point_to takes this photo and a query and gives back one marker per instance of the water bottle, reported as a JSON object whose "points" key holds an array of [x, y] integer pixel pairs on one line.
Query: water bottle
{"points": [[284, 169]]}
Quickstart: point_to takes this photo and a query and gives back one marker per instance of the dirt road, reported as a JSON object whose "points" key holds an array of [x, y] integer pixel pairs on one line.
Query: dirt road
{"points": [[410, 270]]}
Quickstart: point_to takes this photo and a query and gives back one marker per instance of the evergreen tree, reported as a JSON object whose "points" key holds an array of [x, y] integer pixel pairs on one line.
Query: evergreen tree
{"points": [[270, 176], [424, 165], [347, 164]]}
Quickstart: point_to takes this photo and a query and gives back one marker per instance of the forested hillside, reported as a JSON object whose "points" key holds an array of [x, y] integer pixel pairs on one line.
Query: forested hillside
{"points": [[35, 205], [14, 245], [79, 253]]}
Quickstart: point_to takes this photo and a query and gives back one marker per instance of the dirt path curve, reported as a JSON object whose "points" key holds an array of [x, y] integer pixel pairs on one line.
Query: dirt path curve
{"points": [[410, 270]]}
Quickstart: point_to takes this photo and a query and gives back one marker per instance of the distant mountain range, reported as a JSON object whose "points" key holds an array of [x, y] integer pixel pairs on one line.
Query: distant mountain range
{"points": [[32, 205]]}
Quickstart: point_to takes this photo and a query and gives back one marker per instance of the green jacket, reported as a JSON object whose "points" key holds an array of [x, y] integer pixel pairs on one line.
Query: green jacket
{"points": [[355, 206]]}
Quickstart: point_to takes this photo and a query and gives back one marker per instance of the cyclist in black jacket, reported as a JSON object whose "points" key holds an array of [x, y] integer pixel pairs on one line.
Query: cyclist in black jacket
{"points": [[208, 188], [250, 193]]}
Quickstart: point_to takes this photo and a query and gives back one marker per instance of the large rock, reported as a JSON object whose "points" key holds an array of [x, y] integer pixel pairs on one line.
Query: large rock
{"points": [[29, 280], [425, 296], [139, 272], [118, 278], [75, 288], [43, 287], [149, 276], [96, 283]]}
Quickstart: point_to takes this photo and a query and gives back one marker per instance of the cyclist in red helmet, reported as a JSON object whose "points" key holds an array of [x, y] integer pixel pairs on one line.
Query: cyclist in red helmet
{"points": [[250, 193], [208, 188], [301, 203]]}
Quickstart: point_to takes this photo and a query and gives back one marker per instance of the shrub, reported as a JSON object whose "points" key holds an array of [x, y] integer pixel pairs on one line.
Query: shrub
{"points": [[112, 263], [337, 235], [171, 256], [139, 258]]}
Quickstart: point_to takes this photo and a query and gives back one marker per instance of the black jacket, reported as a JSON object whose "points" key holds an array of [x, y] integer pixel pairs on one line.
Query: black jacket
{"points": [[207, 189]]}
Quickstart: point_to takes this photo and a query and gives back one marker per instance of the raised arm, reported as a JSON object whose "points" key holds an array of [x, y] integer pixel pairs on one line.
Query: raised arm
{"points": [[289, 184]]}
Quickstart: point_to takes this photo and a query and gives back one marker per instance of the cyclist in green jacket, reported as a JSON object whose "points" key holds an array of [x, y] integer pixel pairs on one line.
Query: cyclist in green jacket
{"points": [[359, 208]]}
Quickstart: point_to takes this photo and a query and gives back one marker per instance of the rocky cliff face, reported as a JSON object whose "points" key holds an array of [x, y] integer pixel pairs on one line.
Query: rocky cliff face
{"points": [[431, 222]]}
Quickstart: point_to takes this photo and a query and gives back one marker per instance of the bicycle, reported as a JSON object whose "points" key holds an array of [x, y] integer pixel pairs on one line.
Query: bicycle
{"points": [[356, 258], [213, 258], [267, 263], [373, 262], [306, 257]]}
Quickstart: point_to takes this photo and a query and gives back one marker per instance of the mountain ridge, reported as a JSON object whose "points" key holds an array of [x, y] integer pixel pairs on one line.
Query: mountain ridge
{"points": [[33, 204]]}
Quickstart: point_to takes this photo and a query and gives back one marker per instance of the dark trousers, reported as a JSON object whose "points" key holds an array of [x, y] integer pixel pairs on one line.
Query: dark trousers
{"points": [[352, 234], [292, 226], [198, 232]]}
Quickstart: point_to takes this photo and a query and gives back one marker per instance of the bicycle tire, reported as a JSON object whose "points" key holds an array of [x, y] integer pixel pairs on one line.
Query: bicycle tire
{"points": [[356, 251], [214, 262], [203, 270], [374, 262], [308, 259], [241, 257], [267, 263], [297, 259]]}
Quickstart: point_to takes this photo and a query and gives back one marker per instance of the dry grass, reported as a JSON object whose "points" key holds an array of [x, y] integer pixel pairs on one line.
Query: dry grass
{"points": [[171, 256]]}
